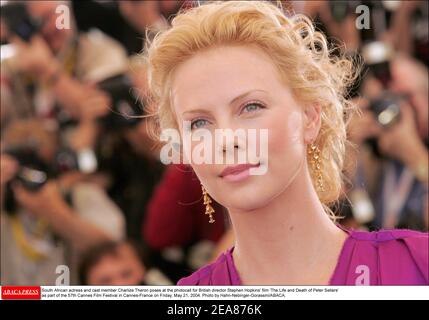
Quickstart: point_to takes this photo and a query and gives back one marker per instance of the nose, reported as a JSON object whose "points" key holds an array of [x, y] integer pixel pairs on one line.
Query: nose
{"points": [[230, 139], [225, 147], [231, 145]]}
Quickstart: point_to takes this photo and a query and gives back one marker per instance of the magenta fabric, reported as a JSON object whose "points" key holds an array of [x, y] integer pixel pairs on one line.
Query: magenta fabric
{"points": [[389, 257]]}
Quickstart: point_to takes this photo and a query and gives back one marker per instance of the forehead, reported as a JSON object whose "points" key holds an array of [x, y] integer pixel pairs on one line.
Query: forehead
{"points": [[222, 73]]}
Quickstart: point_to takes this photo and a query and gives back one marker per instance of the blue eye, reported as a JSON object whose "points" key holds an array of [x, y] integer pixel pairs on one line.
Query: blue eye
{"points": [[251, 107], [199, 123]]}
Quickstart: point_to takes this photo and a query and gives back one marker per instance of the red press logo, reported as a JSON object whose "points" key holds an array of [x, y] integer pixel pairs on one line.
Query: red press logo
{"points": [[14, 292]]}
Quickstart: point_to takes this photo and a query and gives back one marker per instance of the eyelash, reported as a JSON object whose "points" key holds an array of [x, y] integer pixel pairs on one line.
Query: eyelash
{"points": [[193, 122], [260, 106], [253, 103]]}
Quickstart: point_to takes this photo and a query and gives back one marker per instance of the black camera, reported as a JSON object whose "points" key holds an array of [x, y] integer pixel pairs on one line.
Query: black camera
{"points": [[386, 109], [34, 173], [18, 21], [126, 106]]}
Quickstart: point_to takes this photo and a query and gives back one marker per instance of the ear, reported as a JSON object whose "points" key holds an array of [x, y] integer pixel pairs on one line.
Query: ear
{"points": [[312, 122]]}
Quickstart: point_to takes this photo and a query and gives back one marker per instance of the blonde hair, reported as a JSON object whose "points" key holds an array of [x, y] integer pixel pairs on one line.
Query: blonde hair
{"points": [[299, 53]]}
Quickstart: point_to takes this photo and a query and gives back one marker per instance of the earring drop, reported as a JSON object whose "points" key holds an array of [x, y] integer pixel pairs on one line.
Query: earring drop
{"points": [[316, 163], [207, 203]]}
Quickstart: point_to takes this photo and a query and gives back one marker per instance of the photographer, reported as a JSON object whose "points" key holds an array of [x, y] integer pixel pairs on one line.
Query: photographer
{"points": [[48, 218], [392, 157], [51, 70]]}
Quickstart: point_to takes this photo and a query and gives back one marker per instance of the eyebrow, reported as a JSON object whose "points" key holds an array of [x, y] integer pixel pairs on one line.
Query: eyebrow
{"points": [[230, 103]]}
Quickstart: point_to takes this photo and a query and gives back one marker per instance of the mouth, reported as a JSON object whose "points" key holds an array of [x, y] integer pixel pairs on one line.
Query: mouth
{"points": [[238, 172]]}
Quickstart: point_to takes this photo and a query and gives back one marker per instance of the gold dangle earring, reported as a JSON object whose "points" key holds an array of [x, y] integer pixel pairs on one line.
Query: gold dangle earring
{"points": [[207, 203], [316, 163]]}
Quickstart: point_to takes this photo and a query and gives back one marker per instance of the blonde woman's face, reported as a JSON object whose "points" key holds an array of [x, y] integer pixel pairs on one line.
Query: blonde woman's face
{"points": [[235, 87]]}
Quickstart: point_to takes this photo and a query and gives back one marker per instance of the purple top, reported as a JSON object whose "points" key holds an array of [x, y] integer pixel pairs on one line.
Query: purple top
{"points": [[386, 257]]}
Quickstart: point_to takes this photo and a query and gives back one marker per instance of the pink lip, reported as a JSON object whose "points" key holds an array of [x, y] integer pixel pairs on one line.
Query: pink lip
{"points": [[238, 172]]}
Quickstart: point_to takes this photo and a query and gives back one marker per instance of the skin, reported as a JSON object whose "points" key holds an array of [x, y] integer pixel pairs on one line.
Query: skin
{"points": [[276, 217], [49, 205], [124, 268], [45, 11]]}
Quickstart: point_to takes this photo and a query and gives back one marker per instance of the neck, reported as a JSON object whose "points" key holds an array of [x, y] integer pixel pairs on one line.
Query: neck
{"points": [[293, 231]]}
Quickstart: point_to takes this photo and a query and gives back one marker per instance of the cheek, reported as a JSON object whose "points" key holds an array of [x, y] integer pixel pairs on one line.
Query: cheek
{"points": [[285, 136], [204, 172]]}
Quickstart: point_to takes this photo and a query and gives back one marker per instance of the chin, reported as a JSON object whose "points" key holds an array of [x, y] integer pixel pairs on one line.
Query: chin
{"points": [[252, 201], [247, 196]]}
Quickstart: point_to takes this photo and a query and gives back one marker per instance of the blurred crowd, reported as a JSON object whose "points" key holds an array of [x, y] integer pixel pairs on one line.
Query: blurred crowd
{"points": [[82, 185]]}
